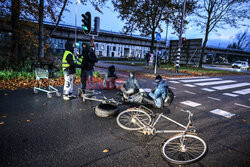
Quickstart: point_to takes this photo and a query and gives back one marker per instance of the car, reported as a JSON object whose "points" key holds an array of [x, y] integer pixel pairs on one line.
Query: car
{"points": [[240, 64]]}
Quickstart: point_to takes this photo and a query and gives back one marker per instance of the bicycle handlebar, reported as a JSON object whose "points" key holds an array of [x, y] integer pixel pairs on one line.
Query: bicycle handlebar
{"points": [[187, 111]]}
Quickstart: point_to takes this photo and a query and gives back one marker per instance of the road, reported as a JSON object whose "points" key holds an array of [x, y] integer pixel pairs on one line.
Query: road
{"points": [[37, 131], [226, 68]]}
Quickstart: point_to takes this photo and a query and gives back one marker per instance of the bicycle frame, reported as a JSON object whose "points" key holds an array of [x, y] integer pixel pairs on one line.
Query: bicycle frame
{"points": [[152, 125]]}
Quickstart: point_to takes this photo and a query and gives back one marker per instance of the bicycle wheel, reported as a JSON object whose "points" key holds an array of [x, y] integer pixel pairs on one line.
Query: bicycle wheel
{"points": [[133, 119], [184, 149]]}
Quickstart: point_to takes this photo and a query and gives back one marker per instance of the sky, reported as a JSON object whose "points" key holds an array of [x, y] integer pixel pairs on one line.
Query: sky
{"points": [[109, 21]]}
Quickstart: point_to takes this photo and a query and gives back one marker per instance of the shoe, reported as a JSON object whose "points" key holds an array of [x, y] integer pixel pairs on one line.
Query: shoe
{"points": [[71, 96], [66, 97]]}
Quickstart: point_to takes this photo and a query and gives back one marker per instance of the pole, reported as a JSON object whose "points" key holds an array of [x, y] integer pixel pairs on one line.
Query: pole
{"points": [[180, 41], [156, 59], [76, 21], [166, 43]]}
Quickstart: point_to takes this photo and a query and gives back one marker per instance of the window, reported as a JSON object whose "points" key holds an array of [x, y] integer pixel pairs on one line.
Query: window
{"points": [[114, 48], [96, 46], [102, 47]]}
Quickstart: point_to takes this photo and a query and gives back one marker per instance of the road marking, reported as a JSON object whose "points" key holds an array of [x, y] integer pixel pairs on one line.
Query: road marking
{"points": [[171, 87], [222, 113], [214, 83], [147, 89], [231, 86], [190, 92], [242, 105], [190, 103], [189, 85], [243, 91], [200, 80], [173, 81], [209, 90], [230, 94], [213, 98], [186, 78]]}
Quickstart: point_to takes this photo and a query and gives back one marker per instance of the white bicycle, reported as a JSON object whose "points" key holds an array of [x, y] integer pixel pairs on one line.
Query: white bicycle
{"points": [[183, 148]]}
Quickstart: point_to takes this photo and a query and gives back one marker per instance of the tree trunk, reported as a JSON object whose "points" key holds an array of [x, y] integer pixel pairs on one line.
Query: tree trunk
{"points": [[15, 13], [41, 36], [152, 41], [204, 47]]}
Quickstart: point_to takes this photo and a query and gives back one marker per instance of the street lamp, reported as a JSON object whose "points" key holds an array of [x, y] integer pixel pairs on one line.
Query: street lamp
{"points": [[77, 2]]}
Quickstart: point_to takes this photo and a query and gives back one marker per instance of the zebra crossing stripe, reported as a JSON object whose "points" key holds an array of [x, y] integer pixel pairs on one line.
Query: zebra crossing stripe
{"points": [[200, 80], [231, 86], [222, 113], [243, 91], [190, 103], [207, 89], [242, 105], [171, 87], [213, 98], [189, 85], [230, 94], [173, 81], [214, 83]]}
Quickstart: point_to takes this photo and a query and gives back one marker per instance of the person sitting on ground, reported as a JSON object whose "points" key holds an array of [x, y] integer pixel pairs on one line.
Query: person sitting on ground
{"points": [[157, 97], [110, 77], [130, 88]]}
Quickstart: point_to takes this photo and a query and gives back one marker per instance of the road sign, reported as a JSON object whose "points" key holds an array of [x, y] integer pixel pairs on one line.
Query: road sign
{"points": [[158, 37]]}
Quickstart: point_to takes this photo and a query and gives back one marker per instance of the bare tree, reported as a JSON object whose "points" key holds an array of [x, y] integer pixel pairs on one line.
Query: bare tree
{"points": [[214, 14], [242, 41]]}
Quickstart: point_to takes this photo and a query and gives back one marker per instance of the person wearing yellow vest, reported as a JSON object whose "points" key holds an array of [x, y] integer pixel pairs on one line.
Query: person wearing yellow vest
{"points": [[69, 66]]}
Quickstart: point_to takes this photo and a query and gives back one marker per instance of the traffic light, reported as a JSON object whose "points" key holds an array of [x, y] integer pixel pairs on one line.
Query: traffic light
{"points": [[97, 24], [184, 41], [86, 22]]}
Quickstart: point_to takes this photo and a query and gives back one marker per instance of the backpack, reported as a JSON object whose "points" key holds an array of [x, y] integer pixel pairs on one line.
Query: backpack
{"points": [[170, 97]]}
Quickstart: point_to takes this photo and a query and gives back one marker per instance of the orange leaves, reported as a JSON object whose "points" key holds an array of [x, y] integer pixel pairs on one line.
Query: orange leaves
{"points": [[106, 150], [1, 123]]}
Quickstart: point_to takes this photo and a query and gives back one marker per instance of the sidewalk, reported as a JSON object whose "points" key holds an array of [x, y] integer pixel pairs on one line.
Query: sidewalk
{"points": [[139, 69]]}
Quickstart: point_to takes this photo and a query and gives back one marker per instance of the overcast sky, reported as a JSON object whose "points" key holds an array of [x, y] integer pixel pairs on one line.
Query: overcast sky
{"points": [[111, 22]]}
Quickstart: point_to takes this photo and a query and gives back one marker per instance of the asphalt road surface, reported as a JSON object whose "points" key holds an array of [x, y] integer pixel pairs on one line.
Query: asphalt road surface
{"points": [[37, 131]]}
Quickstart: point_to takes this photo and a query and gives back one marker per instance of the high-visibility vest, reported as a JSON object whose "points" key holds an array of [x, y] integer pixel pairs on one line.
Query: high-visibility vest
{"points": [[79, 60], [65, 64]]}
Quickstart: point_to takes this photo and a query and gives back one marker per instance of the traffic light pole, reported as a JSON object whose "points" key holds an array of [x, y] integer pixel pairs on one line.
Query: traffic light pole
{"points": [[177, 64], [76, 21]]}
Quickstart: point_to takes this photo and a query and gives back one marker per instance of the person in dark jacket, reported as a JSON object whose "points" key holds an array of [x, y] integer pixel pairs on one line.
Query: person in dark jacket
{"points": [[87, 60], [69, 66], [157, 97], [110, 77]]}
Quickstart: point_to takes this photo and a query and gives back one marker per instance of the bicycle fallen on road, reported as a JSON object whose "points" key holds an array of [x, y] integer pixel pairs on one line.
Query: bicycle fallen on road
{"points": [[183, 148], [107, 106]]}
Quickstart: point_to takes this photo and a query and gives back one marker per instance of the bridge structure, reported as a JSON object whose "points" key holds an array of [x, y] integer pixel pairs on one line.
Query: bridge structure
{"points": [[116, 44]]}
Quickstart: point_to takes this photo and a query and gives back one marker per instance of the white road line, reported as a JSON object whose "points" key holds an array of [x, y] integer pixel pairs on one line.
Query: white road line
{"points": [[243, 91], [222, 113], [171, 87], [189, 85], [173, 81], [190, 92], [230, 94], [242, 105], [200, 80], [209, 90], [190, 103], [213, 98], [214, 83], [231, 86], [186, 78]]}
